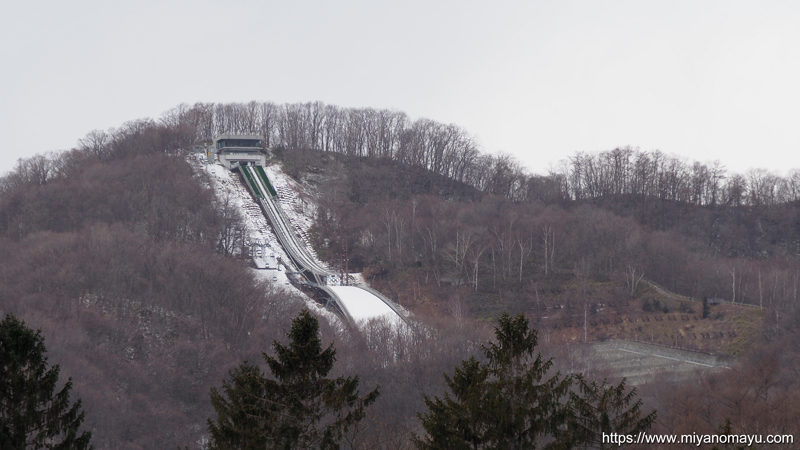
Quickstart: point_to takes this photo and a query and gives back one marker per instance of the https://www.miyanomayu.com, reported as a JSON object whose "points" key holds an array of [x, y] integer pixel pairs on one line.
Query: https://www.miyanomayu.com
{"points": [[747, 440]]}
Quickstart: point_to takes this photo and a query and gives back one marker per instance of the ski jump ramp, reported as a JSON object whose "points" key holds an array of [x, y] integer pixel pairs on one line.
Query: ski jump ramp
{"points": [[357, 304]]}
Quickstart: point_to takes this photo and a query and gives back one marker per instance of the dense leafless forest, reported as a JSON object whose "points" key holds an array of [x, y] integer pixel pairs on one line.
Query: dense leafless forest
{"points": [[123, 256]]}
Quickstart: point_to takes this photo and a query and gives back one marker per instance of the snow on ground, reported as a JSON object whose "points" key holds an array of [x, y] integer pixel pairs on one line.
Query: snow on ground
{"points": [[293, 202], [363, 306], [227, 184], [259, 234]]}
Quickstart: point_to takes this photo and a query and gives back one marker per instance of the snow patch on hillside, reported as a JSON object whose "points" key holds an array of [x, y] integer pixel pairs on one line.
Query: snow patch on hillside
{"points": [[228, 187], [295, 201], [298, 205]]}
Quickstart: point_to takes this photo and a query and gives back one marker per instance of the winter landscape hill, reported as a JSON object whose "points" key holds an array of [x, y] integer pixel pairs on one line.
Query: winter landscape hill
{"points": [[139, 261]]}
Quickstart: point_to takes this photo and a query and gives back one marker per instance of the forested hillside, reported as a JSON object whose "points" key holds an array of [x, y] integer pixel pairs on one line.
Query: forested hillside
{"points": [[112, 253], [118, 251]]}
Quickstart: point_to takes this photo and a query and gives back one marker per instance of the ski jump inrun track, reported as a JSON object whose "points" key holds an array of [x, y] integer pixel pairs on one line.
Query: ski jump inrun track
{"points": [[356, 303]]}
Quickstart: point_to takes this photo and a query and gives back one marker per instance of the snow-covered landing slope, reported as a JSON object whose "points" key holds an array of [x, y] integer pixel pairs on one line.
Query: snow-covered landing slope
{"points": [[363, 306]]}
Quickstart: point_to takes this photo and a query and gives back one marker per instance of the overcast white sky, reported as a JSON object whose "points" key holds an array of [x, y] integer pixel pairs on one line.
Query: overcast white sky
{"points": [[705, 80]]}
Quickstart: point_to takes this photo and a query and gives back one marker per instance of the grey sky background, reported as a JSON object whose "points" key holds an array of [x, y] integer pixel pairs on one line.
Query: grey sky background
{"points": [[705, 80]]}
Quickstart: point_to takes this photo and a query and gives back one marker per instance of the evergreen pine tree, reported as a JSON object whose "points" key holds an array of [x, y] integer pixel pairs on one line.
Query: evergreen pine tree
{"points": [[299, 408], [240, 423], [458, 421], [605, 408], [503, 404], [32, 416], [527, 410]]}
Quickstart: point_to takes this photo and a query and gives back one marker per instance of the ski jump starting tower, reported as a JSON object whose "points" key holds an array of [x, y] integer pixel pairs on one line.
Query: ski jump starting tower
{"points": [[244, 148]]}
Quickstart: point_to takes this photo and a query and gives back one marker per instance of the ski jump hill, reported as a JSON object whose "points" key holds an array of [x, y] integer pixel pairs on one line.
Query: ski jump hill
{"points": [[354, 303]]}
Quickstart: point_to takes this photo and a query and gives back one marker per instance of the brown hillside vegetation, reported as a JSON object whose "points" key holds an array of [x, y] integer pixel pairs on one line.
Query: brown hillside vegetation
{"points": [[112, 256], [119, 252]]}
